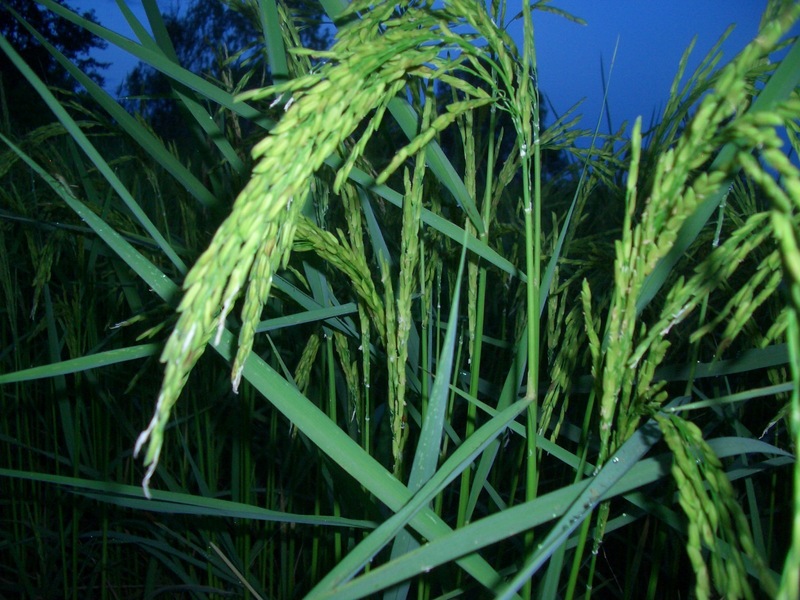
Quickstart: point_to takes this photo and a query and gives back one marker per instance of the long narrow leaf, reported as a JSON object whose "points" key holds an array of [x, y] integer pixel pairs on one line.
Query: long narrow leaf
{"points": [[513, 521], [84, 363], [462, 458], [132, 497], [273, 38]]}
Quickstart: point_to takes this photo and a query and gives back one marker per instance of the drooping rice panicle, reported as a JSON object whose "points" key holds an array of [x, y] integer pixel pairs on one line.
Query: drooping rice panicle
{"points": [[372, 55], [714, 516], [673, 197]]}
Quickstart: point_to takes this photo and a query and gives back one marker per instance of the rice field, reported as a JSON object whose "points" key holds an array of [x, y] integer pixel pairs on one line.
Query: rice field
{"points": [[376, 330]]}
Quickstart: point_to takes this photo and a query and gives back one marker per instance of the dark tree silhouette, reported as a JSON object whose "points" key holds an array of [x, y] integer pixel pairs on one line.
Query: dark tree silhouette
{"points": [[23, 105], [220, 40]]}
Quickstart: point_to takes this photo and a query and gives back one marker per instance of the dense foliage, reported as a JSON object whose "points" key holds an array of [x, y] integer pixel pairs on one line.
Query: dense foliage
{"points": [[22, 107]]}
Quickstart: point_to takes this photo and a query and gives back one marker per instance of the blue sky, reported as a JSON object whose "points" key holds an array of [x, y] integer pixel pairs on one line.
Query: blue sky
{"points": [[652, 37]]}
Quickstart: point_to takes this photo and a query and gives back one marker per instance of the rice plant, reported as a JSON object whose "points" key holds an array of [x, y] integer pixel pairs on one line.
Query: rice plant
{"points": [[454, 351]]}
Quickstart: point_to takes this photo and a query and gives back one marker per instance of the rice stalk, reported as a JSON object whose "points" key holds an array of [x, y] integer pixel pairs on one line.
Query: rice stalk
{"points": [[649, 233], [714, 515], [256, 239]]}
